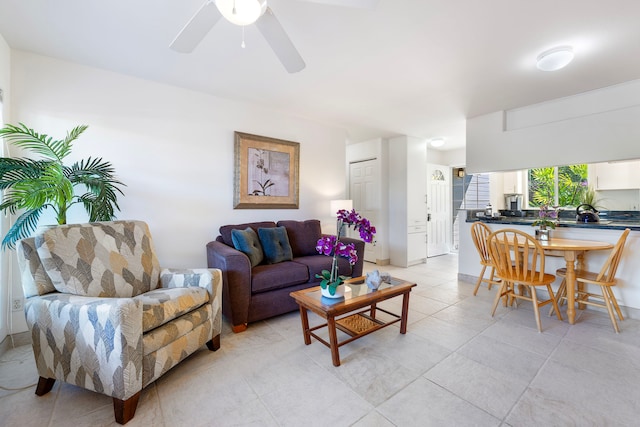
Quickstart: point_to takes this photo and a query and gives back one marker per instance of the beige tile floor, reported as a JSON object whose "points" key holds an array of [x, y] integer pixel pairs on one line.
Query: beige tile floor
{"points": [[456, 366]]}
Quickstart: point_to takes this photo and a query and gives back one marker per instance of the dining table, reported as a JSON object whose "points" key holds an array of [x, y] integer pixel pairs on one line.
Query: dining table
{"points": [[573, 250]]}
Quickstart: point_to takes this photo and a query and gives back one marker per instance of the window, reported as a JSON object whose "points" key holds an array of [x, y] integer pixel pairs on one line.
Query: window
{"points": [[557, 186]]}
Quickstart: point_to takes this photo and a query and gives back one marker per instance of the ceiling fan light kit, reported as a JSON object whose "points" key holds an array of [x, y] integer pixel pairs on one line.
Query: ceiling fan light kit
{"points": [[247, 12], [555, 59], [241, 12]]}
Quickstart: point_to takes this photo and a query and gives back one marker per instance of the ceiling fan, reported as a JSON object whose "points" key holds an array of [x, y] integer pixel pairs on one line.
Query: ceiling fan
{"points": [[247, 12]]}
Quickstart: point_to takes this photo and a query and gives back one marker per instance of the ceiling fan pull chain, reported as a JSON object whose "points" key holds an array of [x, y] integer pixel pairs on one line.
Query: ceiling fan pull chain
{"points": [[242, 45]]}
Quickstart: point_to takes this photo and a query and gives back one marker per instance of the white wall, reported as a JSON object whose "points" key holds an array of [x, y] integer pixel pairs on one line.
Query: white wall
{"points": [[173, 148], [596, 126], [5, 74], [454, 158]]}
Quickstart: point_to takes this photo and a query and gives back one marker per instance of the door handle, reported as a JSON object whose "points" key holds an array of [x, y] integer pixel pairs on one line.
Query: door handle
{"points": [[428, 217]]}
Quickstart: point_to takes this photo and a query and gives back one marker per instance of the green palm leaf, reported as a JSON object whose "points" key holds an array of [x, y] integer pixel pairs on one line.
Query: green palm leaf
{"points": [[35, 185], [22, 228], [22, 136], [100, 198]]}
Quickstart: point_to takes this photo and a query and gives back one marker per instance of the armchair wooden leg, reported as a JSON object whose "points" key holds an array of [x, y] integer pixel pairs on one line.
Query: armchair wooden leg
{"points": [[214, 343], [239, 328], [44, 385], [124, 410]]}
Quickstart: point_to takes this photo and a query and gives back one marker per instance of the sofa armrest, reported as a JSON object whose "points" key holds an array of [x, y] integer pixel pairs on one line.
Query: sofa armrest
{"points": [[236, 281], [92, 342]]}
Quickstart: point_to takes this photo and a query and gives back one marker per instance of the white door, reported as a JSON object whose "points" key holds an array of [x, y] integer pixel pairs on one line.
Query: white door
{"points": [[363, 190], [438, 209]]}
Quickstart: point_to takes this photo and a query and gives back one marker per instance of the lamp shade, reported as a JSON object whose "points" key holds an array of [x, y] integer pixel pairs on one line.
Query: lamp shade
{"points": [[241, 12], [337, 205], [555, 59]]}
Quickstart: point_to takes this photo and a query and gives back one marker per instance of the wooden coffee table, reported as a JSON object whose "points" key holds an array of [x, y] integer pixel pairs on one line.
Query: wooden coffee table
{"points": [[355, 314]]}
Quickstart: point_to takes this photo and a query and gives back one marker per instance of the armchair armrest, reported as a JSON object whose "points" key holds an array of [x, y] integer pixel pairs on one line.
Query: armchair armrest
{"points": [[236, 281], [208, 278], [103, 352]]}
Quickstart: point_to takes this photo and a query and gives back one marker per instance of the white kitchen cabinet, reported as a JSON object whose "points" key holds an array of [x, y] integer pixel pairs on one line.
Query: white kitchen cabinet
{"points": [[407, 200], [512, 182], [617, 175], [416, 245]]}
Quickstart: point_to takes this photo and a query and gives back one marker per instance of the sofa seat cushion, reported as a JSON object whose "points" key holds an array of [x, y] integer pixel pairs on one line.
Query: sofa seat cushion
{"points": [[171, 331], [275, 276], [303, 236], [316, 263], [165, 304]]}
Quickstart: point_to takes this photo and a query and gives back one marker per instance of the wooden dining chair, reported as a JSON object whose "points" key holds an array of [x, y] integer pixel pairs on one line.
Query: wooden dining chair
{"points": [[606, 279], [479, 233], [519, 260]]}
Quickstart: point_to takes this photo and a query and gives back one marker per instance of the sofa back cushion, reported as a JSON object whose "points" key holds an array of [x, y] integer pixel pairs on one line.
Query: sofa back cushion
{"points": [[225, 230], [247, 241], [303, 236], [102, 259], [275, 244]]}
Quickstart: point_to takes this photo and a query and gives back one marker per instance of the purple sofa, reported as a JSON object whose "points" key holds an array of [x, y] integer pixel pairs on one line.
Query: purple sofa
{"points": [[254, 293]]}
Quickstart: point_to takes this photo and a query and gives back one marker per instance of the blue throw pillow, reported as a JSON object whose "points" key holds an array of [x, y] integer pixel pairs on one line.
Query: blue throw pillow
{"points": [[246, 241], [275, 243]]}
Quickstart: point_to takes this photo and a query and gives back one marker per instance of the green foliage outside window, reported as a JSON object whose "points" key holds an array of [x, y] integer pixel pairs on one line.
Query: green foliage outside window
{"points": [[568, 190]]}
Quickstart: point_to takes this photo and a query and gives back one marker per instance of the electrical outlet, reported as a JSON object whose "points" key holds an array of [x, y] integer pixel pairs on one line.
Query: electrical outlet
{"points": [[16, 305]]}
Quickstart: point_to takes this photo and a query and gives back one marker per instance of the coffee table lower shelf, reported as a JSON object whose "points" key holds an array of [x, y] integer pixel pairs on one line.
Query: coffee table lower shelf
{"points": [[356, 326], [360, 324]]}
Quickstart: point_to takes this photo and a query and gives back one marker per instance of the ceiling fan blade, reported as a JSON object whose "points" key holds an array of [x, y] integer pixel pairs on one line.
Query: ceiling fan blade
{"points": [[362, 4], [197, 27], [281, 44]]}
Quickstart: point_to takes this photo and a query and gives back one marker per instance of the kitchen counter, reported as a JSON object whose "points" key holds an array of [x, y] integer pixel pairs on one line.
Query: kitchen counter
{"points": [[612, 220]]}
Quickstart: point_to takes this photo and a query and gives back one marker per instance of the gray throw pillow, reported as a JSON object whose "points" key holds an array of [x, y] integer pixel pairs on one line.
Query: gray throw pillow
{"points": [[247, 242], [275, 243]]}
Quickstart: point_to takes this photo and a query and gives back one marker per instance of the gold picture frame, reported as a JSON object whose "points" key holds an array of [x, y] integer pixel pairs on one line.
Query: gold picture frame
{"points": [[266, 174]]}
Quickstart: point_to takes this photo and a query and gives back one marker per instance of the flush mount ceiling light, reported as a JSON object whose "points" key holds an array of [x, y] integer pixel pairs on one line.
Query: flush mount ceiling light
{"points": [[437, 142], [555, 59], [241, 12]]}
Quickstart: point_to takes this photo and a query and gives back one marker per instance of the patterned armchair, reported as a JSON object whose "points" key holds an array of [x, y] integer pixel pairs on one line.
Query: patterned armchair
{"points": [[105, 317]]}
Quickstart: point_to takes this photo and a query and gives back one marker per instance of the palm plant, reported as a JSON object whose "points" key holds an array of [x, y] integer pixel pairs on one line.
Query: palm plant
{"points": [[35, 185]]}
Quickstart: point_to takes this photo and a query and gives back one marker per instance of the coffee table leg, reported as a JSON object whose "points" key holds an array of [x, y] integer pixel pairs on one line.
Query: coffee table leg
{"points": [[405, 313], [372, 313], [333, 340], [305, 325]]}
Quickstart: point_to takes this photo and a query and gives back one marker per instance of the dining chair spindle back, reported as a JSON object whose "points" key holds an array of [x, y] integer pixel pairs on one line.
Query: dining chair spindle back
{"points": [[605, 278], [519, 260]]}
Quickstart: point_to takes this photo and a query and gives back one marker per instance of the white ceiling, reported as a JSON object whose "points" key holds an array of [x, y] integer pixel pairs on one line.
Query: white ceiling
{"points": [[405, 67]]}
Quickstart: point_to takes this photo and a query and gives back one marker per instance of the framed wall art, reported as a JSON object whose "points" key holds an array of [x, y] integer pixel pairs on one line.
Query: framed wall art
{"points": [[266, 172]]}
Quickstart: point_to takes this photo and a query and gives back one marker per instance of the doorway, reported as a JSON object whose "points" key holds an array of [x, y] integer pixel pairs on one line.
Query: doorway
{"points": [[363, 190], [438, 210]]}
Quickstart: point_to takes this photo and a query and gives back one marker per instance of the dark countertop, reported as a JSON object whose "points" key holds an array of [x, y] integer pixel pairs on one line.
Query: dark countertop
{"points": [[611, 220]]}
